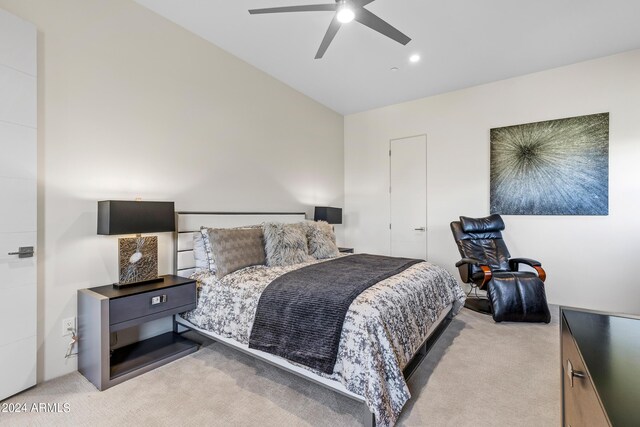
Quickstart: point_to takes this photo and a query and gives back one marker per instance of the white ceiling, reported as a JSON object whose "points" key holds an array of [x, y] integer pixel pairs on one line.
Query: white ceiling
{"points": [[462, 43]]}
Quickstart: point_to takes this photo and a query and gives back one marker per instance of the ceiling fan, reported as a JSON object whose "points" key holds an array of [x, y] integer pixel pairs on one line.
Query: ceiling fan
{"points": [[345, 12]]}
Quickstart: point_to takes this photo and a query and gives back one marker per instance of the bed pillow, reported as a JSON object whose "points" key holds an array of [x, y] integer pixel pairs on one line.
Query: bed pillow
{"points": [[234, 249], [322, 240], [208, 249], [200, 253], [285, 244]]}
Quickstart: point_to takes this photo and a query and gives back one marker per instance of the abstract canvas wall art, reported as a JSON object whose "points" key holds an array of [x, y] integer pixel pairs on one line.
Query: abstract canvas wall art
{"points": [[556, 167]]}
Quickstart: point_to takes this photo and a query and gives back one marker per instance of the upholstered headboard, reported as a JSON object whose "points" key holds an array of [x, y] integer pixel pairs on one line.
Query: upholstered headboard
{"points": [[188, 223]]}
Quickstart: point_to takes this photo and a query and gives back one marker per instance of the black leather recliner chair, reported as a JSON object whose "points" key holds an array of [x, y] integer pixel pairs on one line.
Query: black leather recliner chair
{"points": [[512, 295]]}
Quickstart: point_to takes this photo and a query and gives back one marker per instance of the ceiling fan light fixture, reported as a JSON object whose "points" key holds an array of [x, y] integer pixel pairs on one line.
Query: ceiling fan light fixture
{"points": [[345, 13]]}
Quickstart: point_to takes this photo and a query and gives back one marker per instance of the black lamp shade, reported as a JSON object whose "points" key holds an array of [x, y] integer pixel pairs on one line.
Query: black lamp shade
{"points": [[331, 215], [130, 217]]}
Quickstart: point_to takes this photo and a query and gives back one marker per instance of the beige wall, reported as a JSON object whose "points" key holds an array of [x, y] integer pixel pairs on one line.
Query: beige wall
{"points": [[131, 105], [591, 261]]}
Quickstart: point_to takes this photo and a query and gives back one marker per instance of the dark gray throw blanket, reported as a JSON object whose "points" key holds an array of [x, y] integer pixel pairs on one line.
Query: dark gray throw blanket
{"points": [[300, 314]]}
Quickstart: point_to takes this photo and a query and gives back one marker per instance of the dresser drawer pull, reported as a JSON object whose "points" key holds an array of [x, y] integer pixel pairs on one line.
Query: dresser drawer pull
{"points": [[158, 299], [573, 374]]}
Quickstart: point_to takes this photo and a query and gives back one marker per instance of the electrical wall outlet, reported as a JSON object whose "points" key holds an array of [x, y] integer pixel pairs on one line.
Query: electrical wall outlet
{"points": [[68, 326]]}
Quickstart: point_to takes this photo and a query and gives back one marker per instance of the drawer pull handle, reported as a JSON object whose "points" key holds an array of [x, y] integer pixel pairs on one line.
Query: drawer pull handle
{"points": [[160, 299], [573, 374]]}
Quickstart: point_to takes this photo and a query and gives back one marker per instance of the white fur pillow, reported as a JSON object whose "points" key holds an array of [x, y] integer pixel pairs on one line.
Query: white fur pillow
{"points": [[322, 240], [285, 244]]}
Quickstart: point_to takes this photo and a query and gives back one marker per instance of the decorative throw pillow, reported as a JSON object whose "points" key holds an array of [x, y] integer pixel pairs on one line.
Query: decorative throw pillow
{"points": [[234, 249], [211, 260], [200, 253], [322, 240], [285, 244]]}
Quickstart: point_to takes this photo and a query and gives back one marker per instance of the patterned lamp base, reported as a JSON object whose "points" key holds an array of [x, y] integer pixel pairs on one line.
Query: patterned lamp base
{"points": [[138, 260]]}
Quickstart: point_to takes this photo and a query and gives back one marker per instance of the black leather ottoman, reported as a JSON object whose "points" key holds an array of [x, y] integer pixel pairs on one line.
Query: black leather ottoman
{"points": [[518, 298]]}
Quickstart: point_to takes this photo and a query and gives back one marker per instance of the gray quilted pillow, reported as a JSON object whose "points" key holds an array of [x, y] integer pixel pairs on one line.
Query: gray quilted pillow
{"points": [[322, 240], [208, 248], [285, 244], [234, 249]]}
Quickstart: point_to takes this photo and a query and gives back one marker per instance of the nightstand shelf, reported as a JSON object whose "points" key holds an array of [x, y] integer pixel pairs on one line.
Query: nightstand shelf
{"points": [[143, 353], [105, 310]]}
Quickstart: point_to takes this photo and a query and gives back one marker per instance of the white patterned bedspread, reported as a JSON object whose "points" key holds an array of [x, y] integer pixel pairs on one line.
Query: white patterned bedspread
{"points": [[383, 328]]}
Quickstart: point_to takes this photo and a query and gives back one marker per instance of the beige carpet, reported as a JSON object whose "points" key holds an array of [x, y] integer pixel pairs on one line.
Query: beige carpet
{"points": [[479, 374]]}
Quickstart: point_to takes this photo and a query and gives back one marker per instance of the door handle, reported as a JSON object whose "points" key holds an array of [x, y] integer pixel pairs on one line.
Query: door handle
{"points": [[23, 252], [571, 373], [420, 229]]}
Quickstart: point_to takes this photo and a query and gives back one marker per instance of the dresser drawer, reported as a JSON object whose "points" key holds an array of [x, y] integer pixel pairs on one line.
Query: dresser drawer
{"points": [[138, 306], [581, 404]]}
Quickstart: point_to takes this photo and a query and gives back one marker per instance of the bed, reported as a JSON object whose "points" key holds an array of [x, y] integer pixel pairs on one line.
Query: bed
{"points": [[387, 331]]}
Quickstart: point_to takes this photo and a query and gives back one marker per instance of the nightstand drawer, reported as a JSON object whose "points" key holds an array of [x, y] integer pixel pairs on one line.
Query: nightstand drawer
{"points": [[146, 304]]}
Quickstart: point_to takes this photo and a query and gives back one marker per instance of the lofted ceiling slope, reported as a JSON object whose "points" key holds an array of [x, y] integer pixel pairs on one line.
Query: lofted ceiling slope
{"points": [[462, 43]]}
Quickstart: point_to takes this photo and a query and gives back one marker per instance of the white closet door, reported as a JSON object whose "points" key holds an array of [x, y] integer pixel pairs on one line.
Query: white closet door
{"points": [[408, 179], [18, 165]]}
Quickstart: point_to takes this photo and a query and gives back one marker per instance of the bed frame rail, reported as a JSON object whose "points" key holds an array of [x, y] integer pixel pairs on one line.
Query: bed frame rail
{"points": [[368, 416]]}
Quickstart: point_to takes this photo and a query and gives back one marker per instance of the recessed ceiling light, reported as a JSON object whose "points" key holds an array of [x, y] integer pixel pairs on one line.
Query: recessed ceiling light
{"points": [[394, 68], [414, 58]]}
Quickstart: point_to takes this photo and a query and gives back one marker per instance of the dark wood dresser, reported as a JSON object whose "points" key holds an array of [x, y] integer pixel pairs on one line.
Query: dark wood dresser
{"points": [[600, 369]]}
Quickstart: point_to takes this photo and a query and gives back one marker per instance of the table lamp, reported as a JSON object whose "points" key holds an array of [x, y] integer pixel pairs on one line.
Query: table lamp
{"points": [[328, 214], [137, 256]]}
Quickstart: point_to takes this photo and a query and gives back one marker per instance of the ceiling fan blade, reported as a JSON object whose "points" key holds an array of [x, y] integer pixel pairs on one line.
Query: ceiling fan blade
{"points": [[305, 8], [360, 3], [328, 37], [372, 21]]}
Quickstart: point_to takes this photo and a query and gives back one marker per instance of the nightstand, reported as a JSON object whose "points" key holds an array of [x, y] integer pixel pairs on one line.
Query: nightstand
{"points": [[346, 250], [106, 309]]}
